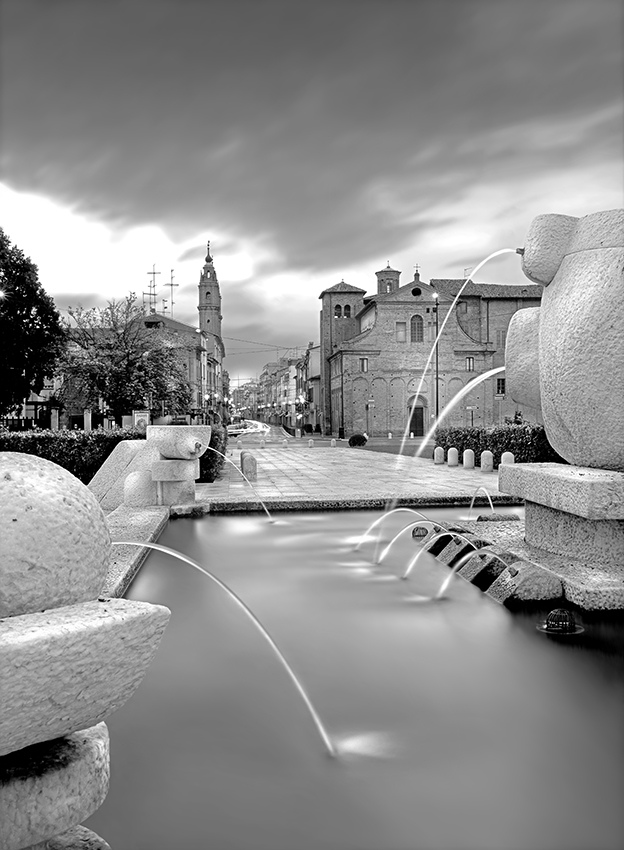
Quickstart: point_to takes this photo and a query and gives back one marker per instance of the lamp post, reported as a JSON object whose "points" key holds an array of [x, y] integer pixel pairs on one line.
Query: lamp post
{"points": [[435, 310]]}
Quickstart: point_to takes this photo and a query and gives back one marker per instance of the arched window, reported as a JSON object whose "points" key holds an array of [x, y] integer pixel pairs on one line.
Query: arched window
{"points": [[347, 311], [416, 329], [337, 311]]}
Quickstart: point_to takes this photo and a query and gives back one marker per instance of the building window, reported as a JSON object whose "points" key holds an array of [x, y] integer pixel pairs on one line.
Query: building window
{"points": [[347, 311], [501, 338], [401, 331], [462, 307], [500, 386], [469, 364], [337, 311], [363, 364], [416, 329]]}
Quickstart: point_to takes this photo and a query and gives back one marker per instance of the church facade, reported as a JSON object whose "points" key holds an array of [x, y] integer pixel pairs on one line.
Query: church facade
{"points": [[380, 372]]}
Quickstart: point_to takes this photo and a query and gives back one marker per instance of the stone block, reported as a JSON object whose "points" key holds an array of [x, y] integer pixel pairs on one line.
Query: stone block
{"points": [[522, 358], [180, 442], [139, 490], [54, 540], [70, 667], [177, 492], [508, 457], [438, 455], [453, 457], [175, 470], [582, 491], [76, 838], [468, 459], [562, 533], [525, 582], [50, 787], [579, 262], [128, 456]]}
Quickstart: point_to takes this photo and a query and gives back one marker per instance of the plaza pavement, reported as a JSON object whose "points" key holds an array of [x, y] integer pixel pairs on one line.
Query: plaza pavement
{"points": [[291, 475]]}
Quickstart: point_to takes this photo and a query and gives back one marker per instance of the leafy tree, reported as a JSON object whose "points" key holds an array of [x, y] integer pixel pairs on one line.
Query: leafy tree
{"points": [[112, 355], [31, 333]]}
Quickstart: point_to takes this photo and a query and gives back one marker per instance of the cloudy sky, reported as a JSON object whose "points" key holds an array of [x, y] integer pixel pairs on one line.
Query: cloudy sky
{"points": [[309, 140]]}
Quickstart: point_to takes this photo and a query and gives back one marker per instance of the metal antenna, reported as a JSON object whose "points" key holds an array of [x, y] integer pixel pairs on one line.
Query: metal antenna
{"points": [[171, 285], [152, 289]]}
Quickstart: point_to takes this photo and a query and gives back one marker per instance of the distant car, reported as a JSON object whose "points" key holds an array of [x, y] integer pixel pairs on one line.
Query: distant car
{"points": [[237, 427]]}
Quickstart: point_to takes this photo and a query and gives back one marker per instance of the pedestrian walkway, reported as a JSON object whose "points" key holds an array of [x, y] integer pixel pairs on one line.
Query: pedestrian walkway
{"points": [[293, 476]]}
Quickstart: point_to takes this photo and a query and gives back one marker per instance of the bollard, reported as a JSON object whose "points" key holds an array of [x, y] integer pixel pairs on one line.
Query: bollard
{"points": [[333, 443], [263, 443], [468, 459], [453, 457], [239, 444], [411, 435], [507, 457], [438, 455], [389, 435], [285, 443], [487, 461], [310, 444]]}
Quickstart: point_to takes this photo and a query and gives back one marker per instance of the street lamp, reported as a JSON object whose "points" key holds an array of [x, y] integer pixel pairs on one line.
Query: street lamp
{"points": [[435, 310]]}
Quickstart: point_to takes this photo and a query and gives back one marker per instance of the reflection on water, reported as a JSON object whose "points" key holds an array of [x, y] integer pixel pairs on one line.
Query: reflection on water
{"points": [[452, 717]]}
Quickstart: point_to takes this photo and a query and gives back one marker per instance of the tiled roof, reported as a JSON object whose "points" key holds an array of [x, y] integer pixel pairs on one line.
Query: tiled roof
{"points": [[341, 287], [451, 287]]}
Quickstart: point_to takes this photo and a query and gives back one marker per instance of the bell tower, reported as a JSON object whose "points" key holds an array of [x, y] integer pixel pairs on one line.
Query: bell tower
{"points": [[387, 280], [209, 305]]}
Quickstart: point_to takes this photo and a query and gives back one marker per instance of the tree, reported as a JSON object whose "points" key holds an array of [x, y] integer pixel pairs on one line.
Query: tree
{"points": [[112, 355], [32, 336]]}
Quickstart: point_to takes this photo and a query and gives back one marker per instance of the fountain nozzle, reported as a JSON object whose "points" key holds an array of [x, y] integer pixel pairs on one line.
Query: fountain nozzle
{"points": [[520, 251]]}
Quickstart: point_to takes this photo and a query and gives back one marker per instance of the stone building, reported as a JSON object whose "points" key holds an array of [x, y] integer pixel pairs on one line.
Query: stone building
{"points": [[374, 349]]}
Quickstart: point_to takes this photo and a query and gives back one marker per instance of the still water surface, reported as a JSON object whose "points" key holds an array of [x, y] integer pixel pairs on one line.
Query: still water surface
{"points": [[462, 727]]}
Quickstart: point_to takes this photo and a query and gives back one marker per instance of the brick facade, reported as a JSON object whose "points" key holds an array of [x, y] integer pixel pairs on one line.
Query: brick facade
{"points": [[372, 360]]}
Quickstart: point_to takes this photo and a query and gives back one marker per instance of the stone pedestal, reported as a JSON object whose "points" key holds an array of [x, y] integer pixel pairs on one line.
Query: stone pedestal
{"points": [[50, 787], [575, 515]]}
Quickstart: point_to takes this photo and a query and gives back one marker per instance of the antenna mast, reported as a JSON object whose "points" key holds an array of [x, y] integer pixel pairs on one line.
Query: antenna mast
{"points": [[152, 290], [171, 285]]}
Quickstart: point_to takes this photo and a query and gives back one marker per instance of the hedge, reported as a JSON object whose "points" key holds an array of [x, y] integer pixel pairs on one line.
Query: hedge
{"points": [[210, 464], [527, 442], [83, 453], [80, 452]]}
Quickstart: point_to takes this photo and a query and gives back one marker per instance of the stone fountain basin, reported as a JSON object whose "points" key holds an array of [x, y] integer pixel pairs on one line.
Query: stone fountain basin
{"points": [[70, 667]]}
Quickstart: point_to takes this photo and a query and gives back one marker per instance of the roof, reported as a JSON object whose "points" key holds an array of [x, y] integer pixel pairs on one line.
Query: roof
{"points": [[341, 287], [170, 322], [451, 287]]}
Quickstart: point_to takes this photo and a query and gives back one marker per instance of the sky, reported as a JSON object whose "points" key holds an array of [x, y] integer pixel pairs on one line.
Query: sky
{"points": [[309, 141]]}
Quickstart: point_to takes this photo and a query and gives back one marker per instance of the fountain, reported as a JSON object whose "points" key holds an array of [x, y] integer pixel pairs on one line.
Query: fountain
{"points": [[567, 356], [422, 698], [70, 656]]}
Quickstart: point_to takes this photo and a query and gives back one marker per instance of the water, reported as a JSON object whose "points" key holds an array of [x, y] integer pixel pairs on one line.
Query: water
{"points": [[459, 725]]}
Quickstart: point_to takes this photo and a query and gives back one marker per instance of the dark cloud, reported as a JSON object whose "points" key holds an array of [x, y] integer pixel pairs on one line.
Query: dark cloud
{"points": [[330, 133], [277, 118]]}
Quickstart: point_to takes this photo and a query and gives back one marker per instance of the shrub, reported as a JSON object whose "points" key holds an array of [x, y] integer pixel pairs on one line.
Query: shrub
{"points": [[81, 453], [210, 463], [527, 442], [357, 440]]}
